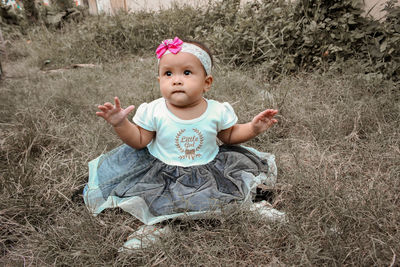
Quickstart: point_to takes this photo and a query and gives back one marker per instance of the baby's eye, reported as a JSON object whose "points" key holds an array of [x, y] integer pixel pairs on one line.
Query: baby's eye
{"points": [[168, 73], [187, 72]]}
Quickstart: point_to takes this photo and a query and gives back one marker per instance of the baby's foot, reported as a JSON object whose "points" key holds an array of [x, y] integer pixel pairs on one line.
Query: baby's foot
{"points": [[144, 237], [268, 212]]}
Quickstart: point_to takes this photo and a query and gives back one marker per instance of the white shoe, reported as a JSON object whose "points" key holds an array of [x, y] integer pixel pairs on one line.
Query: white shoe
{"points": [[144, 237], [266, 211]]}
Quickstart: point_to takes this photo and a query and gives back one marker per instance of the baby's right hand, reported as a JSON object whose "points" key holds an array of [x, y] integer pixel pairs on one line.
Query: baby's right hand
{"points": [[114, 115]]}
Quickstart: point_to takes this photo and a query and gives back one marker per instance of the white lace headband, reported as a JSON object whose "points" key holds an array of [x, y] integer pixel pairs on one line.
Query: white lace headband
{"points": [[177, 45]]}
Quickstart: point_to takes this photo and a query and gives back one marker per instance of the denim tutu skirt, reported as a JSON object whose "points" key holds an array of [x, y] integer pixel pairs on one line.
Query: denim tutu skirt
{"points": [[153, 191]]}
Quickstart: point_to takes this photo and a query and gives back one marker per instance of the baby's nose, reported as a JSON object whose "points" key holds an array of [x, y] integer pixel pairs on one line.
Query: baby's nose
{"points": [[177, 81]]}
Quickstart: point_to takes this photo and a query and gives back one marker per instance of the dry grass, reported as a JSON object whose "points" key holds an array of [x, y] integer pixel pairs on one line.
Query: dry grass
{"points": [[337, 149]]}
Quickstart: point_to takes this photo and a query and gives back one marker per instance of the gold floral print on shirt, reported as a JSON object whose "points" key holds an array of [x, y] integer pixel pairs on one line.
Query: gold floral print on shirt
{"points": [[189, 145]]}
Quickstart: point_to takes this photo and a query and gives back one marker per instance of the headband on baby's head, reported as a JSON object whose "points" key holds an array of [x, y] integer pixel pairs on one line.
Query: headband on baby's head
{"points": [[177, 45]]}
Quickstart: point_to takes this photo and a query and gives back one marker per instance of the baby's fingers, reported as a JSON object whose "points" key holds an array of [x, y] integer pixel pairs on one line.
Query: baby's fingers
{"points": [[265, 114], [129, 109], [108, 105], [102, 108], [269, 112], [117, 102], [101, 114]]}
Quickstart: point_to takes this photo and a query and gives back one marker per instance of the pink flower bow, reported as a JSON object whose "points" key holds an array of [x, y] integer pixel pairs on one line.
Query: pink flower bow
{"points": [[174, 46]]}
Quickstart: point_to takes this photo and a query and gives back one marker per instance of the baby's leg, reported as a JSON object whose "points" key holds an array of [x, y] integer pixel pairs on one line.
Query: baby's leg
{"points": [[145, 236], [268, 212]]}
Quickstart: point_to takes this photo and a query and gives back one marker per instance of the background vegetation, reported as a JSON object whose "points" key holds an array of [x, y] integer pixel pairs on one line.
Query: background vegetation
{"points": [[282, 38], [337, 141]]}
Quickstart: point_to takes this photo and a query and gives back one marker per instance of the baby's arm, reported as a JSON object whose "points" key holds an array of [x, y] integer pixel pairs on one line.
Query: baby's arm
{"points": [[130, 133], [240, 133]]}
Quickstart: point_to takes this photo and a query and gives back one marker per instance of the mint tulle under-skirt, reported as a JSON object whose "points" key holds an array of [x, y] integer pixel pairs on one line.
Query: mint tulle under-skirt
{"points": [[153, 191]]}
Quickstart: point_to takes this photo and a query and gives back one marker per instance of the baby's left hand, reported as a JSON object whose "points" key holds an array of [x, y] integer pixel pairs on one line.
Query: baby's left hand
{"points": [[264, 120]]}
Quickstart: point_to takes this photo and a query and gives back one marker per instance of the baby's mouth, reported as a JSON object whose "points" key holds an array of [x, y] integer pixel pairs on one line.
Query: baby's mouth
{"points": [[178, 91]]}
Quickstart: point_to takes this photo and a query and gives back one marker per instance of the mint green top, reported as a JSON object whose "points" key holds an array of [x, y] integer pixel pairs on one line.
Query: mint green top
{"points": [[184, 142]]}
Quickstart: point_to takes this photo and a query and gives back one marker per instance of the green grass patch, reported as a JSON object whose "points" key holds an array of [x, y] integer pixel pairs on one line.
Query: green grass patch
{"points": [[336, 144]]}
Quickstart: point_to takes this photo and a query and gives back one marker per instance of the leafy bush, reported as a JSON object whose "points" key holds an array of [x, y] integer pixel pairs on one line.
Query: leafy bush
{"points": [[31, 11], [254, 34], [308, 35], [63, 4], [273, 35]]}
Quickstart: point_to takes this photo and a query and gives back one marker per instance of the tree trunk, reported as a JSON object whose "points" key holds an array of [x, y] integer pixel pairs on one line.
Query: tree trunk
{"points": [[2, 52]]}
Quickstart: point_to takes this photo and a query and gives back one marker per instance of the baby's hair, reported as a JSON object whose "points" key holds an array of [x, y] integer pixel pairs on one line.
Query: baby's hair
{"points": [[202, 46]]}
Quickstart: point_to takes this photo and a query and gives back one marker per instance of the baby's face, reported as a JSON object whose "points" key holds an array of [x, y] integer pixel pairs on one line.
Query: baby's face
{"points": [[183, 80]]}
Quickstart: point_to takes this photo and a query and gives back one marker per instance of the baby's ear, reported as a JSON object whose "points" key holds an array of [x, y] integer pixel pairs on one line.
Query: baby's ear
{"points": [[208, 82], [158, 79]]}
